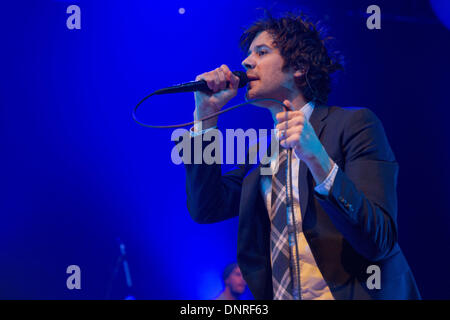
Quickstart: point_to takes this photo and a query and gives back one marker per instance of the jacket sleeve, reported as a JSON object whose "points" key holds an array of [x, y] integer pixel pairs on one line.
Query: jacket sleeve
{"points": [[362, 202], [211, 195]]}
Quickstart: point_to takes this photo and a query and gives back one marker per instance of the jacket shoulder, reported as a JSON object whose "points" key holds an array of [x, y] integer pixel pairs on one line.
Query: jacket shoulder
{"points": [[360, 127], [356, 113]]}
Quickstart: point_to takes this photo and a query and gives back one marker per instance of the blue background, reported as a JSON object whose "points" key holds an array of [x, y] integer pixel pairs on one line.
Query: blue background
{"points": [[77, 172]]}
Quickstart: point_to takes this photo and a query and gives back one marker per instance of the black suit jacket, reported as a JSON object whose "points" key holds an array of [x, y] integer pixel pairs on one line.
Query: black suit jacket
{"points": [[354, 227]]}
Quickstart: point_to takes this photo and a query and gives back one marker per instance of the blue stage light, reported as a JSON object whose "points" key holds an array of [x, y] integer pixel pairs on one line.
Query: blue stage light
{"points": [[441, 9]]}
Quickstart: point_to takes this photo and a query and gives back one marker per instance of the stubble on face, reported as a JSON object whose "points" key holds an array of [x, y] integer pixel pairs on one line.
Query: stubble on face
{"points": [[273, 82]]}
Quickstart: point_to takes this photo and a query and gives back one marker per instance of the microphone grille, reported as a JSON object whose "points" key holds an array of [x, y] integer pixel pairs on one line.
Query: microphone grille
{"points": [[243, 80]]}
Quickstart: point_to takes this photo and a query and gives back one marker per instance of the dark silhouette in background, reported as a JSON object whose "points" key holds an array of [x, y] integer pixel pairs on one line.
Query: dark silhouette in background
{"points": [[234, 283]]}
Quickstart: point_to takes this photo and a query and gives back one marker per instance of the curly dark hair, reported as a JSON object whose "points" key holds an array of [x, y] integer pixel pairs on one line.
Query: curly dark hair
{"points": [[302, 47]]}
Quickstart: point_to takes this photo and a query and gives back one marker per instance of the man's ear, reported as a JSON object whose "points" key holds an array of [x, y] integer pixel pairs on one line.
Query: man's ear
{"points": [[300, 71]]}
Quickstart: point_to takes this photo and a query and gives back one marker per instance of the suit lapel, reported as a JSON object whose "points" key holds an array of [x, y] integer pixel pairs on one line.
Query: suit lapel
{"points": [[317, 121]]}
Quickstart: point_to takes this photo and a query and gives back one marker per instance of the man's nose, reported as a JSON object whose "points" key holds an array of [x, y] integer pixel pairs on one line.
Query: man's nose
{"points": [[248, 64]]}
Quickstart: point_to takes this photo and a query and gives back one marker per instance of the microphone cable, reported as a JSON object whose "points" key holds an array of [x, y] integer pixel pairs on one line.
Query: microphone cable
{"points": [[134, 112]]}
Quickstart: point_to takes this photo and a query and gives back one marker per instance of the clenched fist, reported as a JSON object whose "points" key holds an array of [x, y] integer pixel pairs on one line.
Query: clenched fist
{"points": [[295, 131]]}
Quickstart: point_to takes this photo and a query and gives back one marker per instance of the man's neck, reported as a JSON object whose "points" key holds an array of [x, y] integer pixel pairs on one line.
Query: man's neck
{"points": [[298, 102]]}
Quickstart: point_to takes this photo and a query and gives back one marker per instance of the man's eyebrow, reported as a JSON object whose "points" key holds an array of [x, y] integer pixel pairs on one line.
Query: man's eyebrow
{"points": [[258, 47]]}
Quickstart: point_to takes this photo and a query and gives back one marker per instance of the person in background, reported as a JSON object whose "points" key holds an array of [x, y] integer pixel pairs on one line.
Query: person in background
{"points": [[234, 283]]}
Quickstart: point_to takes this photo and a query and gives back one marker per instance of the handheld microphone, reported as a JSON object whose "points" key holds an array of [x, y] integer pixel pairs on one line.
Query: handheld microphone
{"points": [[201, 85]]}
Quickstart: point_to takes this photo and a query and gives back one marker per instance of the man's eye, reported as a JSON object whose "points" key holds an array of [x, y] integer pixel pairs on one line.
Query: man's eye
{"points": [[262, 52]]}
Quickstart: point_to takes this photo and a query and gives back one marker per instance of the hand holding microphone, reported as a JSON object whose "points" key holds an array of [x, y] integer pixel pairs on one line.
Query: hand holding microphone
{"points": [[212, 91], [224, 85]]}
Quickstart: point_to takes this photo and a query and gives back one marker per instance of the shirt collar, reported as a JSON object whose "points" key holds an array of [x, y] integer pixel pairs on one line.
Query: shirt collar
{"points": [[307, 110]]}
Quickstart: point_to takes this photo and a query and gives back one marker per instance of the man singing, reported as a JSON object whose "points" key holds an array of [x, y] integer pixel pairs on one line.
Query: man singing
{"points": [[324, 225]]}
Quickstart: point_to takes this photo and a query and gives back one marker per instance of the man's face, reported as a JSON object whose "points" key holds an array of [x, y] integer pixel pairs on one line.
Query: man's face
{"points": [[265, 64], [236, 282]]}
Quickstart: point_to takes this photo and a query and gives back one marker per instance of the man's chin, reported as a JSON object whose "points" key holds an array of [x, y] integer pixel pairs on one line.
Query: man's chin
{"points": [[239, 290], [252, 95], [249, 95]]}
